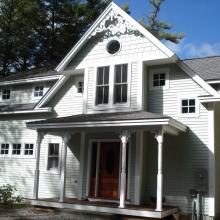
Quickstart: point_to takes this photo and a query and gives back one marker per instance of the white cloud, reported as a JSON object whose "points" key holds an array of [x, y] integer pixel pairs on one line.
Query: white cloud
{"points": [[189, 50]]}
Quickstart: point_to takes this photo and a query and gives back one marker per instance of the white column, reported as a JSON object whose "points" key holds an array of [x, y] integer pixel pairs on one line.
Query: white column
{"points": [[159, 138], [66, 137], [124, 140], [40, 137]]}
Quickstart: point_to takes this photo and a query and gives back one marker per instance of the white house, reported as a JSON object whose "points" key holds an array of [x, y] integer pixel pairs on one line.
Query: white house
{"points": [[120, 121]]}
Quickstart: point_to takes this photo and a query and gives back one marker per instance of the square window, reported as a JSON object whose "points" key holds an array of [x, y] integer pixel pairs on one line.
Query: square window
{"points": [[29, 149], [6, 94], [38, 91], [4, 149], [188, 106], [159, 78], [16, 149]]}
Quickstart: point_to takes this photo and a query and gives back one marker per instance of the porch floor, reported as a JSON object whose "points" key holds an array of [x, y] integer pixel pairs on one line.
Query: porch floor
{"points": [[106, 207]]}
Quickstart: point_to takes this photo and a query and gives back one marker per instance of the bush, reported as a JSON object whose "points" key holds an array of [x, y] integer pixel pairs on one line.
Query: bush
{"points": [[9, 195]]}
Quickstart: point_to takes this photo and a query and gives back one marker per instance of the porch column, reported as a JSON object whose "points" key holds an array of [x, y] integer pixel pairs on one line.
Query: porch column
{"points": [[40, 137], [124, 140], [159, 138], [66, 137]]}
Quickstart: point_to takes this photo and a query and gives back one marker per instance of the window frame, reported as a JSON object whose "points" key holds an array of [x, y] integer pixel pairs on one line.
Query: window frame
{"points": [[194, 114], [79, 79], [33, 91], [121, 84], [9, 150], [21, 150], [159, 71], [103, 85], [111, 104], [1, 94], [54, 170], [28, 155]]}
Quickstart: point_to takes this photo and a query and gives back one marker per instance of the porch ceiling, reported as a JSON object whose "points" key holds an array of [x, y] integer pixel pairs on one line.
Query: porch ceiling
{"points": [[128, 120]]}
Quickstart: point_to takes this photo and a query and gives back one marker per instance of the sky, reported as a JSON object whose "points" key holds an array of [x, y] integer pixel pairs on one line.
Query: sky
{"points": [[197, 19]]}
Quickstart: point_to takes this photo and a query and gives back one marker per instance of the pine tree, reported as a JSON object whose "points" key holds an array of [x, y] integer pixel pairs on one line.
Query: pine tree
{"points": [[159, 28]]}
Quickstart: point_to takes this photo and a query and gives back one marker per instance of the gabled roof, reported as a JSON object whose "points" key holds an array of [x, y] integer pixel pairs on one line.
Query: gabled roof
{"points": [[128, 18], [208, 68]]}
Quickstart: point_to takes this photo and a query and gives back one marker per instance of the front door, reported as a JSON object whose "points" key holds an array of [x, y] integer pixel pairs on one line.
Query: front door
{"points": [[105, 170], [109, 170]]}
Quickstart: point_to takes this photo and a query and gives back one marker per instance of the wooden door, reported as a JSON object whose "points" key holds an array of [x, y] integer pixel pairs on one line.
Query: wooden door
{"points": [[109, 170]]}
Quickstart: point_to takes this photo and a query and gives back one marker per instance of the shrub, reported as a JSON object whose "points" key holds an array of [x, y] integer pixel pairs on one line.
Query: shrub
{"points": [[9, 195]]}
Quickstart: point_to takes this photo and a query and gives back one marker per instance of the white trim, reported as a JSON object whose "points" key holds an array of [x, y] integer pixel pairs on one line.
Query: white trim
{"points": [[188, 115], [31, 80], [208, 99], [98, 124], [211, 146], [33, 91], [108, 210], [139, 27], [213, 81], [198, 79], [159, 71], [52, 91], [37, 110]]}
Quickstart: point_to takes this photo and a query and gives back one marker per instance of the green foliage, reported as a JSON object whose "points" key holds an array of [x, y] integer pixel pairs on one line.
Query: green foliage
{"points": [[125, 7], [8, 195], [159, 28]]}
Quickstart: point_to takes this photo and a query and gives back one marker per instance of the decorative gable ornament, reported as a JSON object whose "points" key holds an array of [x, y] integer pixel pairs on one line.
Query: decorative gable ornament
{"points": [[115, 25]]}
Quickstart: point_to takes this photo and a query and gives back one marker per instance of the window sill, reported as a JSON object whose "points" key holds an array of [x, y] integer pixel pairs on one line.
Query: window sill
{"points": [[111, 107]]}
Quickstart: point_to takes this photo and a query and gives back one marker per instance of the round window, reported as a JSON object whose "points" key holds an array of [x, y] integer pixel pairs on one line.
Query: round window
{"points": [[113, 47]]}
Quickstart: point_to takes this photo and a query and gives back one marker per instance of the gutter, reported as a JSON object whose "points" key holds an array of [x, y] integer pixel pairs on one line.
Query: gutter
{"points": [[39, 110]]}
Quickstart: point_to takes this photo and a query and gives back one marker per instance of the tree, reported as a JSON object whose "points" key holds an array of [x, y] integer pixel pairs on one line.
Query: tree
{"points": [[159, 28]]}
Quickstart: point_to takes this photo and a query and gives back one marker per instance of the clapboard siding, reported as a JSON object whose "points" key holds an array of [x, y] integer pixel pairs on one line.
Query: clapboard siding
{"points": [[23, 93], [184, 154], [217, 159], [67, 101], [133, 48]]}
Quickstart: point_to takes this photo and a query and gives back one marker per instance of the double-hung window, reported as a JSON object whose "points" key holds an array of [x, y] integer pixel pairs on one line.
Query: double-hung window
{"points": [[53, 156], [4, 149], [102, 87], [121, 83]]}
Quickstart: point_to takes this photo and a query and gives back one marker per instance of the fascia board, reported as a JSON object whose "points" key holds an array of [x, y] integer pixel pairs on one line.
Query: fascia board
{"points": [[139, 27], [43, 110], [31, 80], [51, 93], [198, 79]]}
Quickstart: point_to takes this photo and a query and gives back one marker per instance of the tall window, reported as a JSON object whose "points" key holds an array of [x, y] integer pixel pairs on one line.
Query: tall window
{"points": [[16, 150], [6, 94], [102, 90], [5, 149], [38, 91], [121, 83], [28, 149], [53, 156], [80, 87]]}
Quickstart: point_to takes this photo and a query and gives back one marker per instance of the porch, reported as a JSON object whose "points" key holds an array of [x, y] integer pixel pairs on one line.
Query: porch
{"points": [[106, 207], [124, 125]]}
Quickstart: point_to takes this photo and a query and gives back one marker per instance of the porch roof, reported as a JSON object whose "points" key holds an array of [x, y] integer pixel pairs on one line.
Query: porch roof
{"points": [[116, 119]]}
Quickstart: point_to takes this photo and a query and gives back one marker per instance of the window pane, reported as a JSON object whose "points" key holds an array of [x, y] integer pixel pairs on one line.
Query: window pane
{"points": [[106, 75], [106, 93], [125, 73], [99, 95], [162, 76], [192, 110], [156, 83], [124, 93], [156, 76], [162, 82], [117, 93], [118, 74], [56, 151], [184, 102], [100, 75], [185, 110], [51, 149], [192, 102]]}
